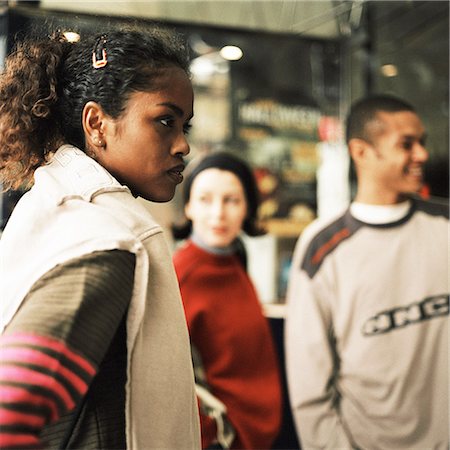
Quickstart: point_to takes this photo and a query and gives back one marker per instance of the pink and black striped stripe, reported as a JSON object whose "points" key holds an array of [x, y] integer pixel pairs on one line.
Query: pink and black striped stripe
{"points": [[40, 379]]}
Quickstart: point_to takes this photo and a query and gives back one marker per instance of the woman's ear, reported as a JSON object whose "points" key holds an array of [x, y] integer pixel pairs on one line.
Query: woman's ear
{"points": [[187, 211], [94, 124]]}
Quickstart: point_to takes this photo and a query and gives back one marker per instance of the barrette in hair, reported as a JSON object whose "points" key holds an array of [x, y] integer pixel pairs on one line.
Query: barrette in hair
{"points": [[97, 63]]}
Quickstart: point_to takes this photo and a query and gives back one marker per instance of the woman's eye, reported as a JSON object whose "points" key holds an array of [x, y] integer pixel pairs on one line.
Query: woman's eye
{"points": [[187, 128], [167, 122]]}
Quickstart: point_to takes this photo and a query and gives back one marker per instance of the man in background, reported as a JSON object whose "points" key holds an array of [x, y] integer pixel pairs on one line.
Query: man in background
{"points": [[368, 300]]}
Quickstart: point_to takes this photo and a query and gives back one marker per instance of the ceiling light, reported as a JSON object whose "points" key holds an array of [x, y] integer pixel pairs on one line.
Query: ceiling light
{"points": [[202, 67], [389, 70], [231, 53]]}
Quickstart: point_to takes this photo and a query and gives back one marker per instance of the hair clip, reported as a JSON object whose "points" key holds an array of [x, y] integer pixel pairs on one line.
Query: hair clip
{"points": [[98, 63]]}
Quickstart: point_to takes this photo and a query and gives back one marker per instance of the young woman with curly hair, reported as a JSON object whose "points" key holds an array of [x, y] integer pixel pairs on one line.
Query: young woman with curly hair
{"points": [[94, 345]]}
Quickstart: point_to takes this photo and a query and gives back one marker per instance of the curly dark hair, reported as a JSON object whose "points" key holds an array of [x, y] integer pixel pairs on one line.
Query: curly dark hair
{"points": [[47, 82]]}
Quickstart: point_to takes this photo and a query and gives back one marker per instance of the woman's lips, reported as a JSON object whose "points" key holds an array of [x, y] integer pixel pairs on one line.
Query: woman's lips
{"points": [[176, 173], [219, 230]]}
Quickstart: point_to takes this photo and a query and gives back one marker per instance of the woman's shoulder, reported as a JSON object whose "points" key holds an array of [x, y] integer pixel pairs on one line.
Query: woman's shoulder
{"points": [[184, 258], [193, 263]]}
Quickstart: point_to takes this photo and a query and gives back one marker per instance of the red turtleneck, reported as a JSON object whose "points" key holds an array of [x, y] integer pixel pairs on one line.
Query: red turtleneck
{"points": [[234, 340]]}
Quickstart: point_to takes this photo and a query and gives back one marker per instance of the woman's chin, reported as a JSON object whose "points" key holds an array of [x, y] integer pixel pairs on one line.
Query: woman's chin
{"points": [[218, 242]]}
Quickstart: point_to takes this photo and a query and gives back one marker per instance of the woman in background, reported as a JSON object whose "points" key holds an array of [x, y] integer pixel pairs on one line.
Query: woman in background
{"points": [[236, 368]]}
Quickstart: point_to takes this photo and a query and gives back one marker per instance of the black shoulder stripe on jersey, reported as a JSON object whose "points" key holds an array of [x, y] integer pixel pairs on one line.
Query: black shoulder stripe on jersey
{"points": [[432, 207], [327, 241]]}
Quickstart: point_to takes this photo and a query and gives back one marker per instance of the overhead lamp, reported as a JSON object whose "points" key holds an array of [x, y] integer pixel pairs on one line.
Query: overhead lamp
{"points": [[389, 70], [231, 53], [208, 65], [202, 67]]}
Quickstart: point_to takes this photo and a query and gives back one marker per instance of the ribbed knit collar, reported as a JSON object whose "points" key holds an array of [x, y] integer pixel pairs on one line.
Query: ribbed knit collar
{"points": [[220, 251], [380, 214]]}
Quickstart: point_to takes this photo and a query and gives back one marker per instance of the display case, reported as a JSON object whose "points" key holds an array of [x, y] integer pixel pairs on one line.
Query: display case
{"points": [[270, 98], [275, 106]]}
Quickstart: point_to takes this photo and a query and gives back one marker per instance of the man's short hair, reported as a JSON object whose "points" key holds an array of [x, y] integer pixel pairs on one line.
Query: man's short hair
{"points": [[364, 111]]}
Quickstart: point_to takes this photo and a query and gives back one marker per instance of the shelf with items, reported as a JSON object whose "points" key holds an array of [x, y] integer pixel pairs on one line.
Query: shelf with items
{"points": [[274, 310], [285, 227], [269, 263], [274, 117]]}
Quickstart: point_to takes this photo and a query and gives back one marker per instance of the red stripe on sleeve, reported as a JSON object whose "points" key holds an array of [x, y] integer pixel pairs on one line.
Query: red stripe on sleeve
{"points": [[32, 397], [33, 356], [16, 395], [8, 417], [11, 373], [53, 344], [10, 440]]}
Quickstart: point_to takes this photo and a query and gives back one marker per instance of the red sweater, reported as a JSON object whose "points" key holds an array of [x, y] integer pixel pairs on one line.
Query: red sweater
{"points": [[234, 340]]}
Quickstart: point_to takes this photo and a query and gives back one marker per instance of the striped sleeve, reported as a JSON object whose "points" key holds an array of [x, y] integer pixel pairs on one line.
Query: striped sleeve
{"points": [[40, 380], [47, 359]]}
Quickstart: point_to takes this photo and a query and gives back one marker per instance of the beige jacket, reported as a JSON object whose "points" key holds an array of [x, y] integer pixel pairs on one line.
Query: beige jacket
{"points": [[76, 207]]}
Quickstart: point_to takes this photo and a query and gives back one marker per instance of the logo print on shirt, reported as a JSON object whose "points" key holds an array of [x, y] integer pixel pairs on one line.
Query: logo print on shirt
{"points": [[387, 321]]}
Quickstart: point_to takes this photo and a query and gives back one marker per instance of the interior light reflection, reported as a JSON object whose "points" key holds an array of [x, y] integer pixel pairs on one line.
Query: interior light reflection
{"points": [[71, 36], [231, 53], [389, 70]]}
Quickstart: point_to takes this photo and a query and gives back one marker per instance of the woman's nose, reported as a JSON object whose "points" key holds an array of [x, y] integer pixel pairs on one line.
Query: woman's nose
{"points": [[181, 145], [217, 208]]}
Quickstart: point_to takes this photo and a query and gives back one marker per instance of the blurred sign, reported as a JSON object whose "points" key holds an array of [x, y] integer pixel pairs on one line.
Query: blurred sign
{"points": [[279, 117]]}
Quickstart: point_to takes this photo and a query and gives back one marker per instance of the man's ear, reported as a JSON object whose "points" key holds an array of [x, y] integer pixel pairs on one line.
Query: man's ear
{"points": [[94, 125], [358, 149]]}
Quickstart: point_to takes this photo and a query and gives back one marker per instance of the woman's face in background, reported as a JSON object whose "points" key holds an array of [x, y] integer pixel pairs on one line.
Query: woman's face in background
{"points": [[217, 207]]}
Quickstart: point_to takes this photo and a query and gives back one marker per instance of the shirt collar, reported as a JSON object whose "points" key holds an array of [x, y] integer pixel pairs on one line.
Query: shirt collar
{"points": [[380, 214]]}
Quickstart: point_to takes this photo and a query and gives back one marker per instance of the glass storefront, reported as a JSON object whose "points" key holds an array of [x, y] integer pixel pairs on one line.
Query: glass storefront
{"points": [[279, 101]]}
